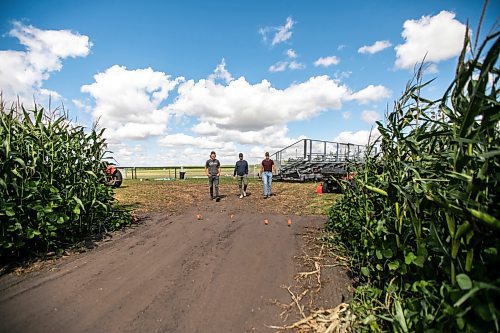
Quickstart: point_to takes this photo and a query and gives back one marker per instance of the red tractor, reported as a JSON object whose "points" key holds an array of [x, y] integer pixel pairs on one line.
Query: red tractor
{"points": [[114, 177]]}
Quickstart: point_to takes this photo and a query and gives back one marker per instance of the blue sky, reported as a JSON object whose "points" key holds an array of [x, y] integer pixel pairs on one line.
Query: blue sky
{"points": [[173, 80]]}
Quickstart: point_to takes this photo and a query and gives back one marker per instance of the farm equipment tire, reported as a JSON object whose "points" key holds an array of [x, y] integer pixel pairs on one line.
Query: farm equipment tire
{"points": [[325, 187], [114, 180], [332, 185]]}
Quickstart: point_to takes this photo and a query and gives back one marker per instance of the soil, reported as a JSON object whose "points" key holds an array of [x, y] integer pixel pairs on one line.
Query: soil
{"points": [[204, 266]]}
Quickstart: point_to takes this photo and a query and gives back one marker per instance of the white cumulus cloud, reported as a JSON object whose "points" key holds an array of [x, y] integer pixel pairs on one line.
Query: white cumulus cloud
{"points": [[53, 95], [284, 32], [205, 128], [131, 155], [369, 116], [225, 115], [281, 33], [221, 72], [289, 63], [127, 102], [181, 139], [436, 38], [378, 46], [341, 75], [327, 61], [370, 94], [82, 105], [291, 54], [359, 138], [243, 113], [296, 65], [243, 106], [22, 73], [280, 66], [190, 150]]}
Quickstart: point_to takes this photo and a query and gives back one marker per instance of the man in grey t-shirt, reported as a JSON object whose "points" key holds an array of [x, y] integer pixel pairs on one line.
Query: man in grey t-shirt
{"points": [[212, 170]]}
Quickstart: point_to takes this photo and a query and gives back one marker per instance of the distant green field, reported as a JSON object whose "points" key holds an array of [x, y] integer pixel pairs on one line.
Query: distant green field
{"points": [[174, 172]]}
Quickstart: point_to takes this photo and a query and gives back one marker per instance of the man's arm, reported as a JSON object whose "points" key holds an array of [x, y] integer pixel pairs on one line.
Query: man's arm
{"points": [[235, 167], [218, 169], [246, 168], [274, 169]]}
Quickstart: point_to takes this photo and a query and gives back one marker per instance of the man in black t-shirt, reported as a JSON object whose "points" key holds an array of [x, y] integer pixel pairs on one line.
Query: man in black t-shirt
{"points": [[241, 172], [212, 170]]}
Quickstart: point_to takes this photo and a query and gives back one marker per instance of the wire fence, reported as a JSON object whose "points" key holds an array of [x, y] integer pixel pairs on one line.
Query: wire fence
{"points": [[177, 172]]}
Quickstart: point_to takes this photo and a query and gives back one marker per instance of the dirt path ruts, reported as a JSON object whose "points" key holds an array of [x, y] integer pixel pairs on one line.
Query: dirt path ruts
{"points": [[170, 274]]}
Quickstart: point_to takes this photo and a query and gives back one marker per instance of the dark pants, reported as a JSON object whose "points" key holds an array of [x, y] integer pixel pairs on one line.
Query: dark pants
{"points": [[242, 183], [213, 181]]}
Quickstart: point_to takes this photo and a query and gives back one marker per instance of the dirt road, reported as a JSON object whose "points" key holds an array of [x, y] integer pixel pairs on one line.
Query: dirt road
{"points": [[171, 273]]}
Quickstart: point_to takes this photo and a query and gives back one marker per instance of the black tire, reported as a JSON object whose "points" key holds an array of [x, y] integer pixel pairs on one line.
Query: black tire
{"points": [[325, 187], [118, 178], [114, 180]]}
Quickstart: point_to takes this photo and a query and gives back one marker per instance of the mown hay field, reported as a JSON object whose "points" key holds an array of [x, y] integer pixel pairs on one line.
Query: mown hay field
{"points": [[174, 172]]}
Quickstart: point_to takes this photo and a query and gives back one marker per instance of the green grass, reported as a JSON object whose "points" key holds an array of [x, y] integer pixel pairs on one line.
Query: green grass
{"points": [[174, 172]]}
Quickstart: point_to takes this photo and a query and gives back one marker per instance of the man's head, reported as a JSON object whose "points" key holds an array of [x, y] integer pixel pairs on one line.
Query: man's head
{"points": [[241, 156], [267, 154], [212, 155]]}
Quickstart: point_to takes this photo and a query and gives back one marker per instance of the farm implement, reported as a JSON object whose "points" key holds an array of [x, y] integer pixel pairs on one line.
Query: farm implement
{"points": [[113, 176], [317, 160]]}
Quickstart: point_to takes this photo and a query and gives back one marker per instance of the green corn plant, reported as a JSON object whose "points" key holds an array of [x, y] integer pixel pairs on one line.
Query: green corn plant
{"points": [[51, 190], [422, 225]]}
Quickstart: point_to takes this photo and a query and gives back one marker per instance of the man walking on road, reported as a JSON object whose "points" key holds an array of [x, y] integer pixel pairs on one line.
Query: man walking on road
{"points": [[241, 172], [212, 170], [267, 170]]}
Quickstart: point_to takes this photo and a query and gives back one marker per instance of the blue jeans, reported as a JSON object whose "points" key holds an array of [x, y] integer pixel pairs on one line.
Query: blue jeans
{"points": [[267, 179]]}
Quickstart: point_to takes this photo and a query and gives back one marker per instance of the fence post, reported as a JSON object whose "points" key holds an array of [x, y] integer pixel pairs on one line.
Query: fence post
{"points": [[305, 148], [310, 149]]}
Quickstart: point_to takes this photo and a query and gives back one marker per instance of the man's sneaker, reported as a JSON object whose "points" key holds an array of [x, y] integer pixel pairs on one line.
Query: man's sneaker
{"points": [[241, 196], [217, 199], [244, 193]]}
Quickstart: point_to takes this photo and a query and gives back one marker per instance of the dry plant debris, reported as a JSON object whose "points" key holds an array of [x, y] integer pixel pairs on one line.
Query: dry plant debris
{"points": [[335, 320], [323, 320]]}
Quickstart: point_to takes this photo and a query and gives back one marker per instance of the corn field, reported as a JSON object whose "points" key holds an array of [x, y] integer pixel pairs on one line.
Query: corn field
{"points": [[422, 223], [51, 190]]}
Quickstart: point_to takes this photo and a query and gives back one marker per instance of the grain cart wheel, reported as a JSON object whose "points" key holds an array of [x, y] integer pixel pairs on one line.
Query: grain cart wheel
{"points": [[118, 178], [114, 177], [325, 187]]}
